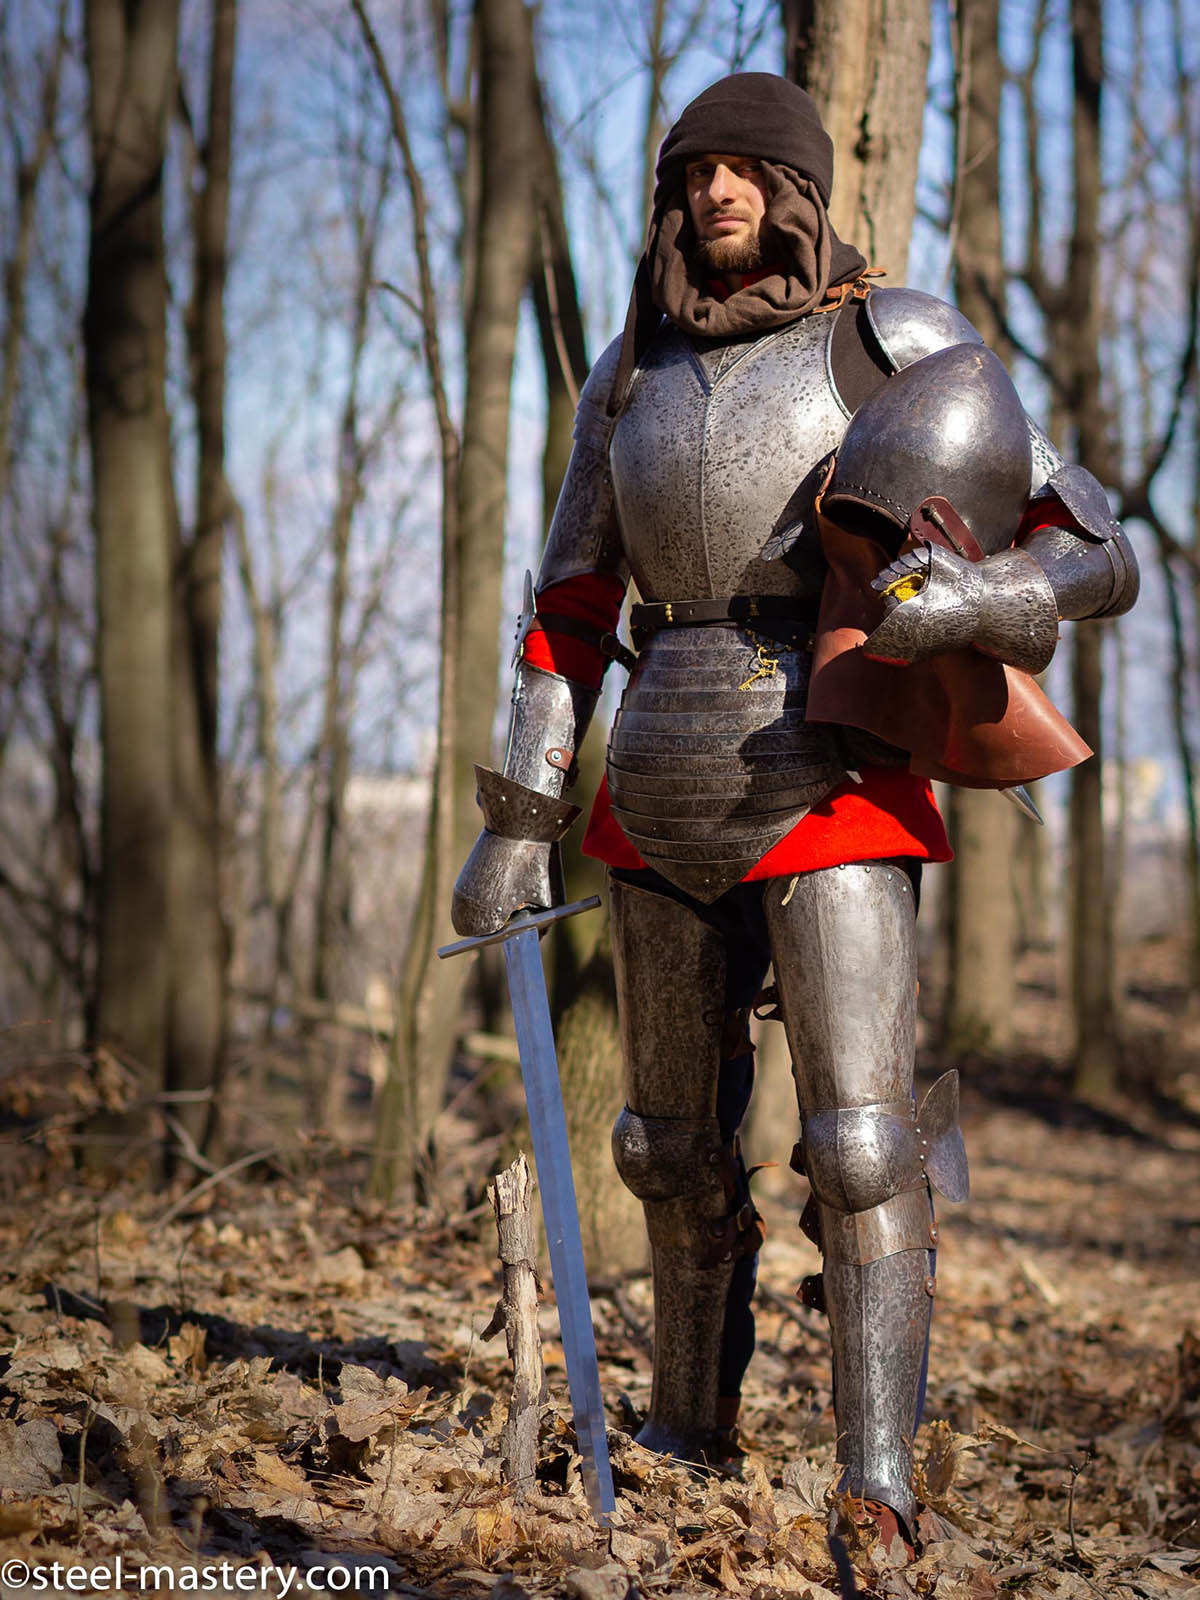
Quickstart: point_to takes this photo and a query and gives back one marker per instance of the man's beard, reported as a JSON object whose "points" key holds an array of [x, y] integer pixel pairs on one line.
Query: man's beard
{"points": [[741, 253]]}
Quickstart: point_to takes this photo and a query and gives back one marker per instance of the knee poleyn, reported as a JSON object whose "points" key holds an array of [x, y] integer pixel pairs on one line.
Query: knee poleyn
{"points": [[859, 1157], [666, 1158]]}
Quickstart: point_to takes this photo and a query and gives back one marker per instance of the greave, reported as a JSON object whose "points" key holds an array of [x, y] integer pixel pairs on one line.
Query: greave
{"points": [[689, 1321], [845, 965], [667, 1143], [879, 1314]]}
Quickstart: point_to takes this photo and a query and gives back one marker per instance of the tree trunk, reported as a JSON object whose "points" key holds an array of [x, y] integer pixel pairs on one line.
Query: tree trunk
{"points": [[584, 996], [474, 499], [1092, 985], [198, 938], [864, 62], [504, 232], [16, 265], [565, 365], [131, 62], [511, 1195], [981, 919], [982, 912]]}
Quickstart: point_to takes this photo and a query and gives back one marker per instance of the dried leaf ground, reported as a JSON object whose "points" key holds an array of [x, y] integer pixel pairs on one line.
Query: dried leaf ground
{"points": [[280, 1375]]}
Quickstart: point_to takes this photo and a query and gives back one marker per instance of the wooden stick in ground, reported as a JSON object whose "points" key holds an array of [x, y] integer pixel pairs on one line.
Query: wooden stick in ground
{"points": [[511, 1195]]}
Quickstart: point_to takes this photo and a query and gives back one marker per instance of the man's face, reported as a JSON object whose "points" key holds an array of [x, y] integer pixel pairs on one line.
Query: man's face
{"points": [[727, 198]]}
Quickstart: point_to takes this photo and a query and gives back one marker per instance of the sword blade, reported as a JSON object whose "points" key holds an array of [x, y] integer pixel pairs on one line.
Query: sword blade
{"points": [[552, 1158]]}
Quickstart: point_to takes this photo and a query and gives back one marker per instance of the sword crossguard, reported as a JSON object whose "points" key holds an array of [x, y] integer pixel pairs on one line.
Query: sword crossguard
{"points": [[520, 924]]}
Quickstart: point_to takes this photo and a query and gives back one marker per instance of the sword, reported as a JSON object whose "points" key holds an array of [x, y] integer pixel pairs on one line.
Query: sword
{"points": [[552, 1159]]}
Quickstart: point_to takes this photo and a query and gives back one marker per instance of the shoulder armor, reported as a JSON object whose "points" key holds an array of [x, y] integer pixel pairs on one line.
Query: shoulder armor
{"points": [[1047, 458], [593, 425], [1084, 497], [910, 325], [950, 425], [584, 536]]}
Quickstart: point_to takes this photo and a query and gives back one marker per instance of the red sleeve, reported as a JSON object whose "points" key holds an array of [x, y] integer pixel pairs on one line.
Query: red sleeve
{"points": [[1044, 513], [593, 598]]}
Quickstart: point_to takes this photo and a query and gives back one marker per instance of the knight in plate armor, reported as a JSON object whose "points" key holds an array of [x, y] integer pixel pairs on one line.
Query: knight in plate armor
{"points": [[852, 550]]}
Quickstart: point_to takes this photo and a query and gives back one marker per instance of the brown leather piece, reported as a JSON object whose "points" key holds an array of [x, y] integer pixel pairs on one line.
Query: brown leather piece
{"points": [[963, 717], [891, 1527], [744, 1230], [936, 519]]}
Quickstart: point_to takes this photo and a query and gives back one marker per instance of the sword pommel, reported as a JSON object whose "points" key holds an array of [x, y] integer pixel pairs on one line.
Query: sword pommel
{"points": [[521, 924]]}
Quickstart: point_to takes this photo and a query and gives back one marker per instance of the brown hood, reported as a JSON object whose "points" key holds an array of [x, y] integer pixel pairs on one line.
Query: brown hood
{"points": [[753, 114]]}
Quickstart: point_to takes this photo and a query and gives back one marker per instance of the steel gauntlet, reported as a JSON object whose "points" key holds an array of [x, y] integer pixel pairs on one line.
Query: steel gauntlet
{"points": [[1004, 605], [514, 862]]}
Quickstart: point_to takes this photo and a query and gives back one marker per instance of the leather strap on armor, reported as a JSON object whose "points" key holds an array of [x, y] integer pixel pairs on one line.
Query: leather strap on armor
{"points": [[744, 1230], [607, 643]]}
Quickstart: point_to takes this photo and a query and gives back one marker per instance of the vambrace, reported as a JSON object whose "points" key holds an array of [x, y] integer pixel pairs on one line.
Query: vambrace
{"points": [[1089, 579], [514, 864], [1090, 565], [550, 716]]}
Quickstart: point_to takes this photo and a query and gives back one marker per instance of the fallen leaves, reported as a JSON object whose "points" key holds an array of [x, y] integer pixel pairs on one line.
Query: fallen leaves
{"points": [[370, 1405], [297, 1374]]}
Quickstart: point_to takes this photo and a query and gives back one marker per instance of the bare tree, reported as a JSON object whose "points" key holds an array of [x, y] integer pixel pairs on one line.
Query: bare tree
{"points": [[981, 986], [1092, 974], [46, 883], [474, 493], [864, 63], [29, 160], [197, 937], [131, 53]]}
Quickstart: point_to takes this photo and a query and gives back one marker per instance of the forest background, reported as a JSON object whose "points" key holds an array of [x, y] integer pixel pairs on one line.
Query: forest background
{"points": [[297, 298], [297, 301]]}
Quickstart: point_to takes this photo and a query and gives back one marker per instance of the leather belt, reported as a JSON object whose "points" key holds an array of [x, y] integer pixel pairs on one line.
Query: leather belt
{"points": [[743, 608]]}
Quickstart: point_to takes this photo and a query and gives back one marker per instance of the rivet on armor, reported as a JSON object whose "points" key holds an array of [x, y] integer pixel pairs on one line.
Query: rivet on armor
{"points": [[931, 1287], [933, 1233]]}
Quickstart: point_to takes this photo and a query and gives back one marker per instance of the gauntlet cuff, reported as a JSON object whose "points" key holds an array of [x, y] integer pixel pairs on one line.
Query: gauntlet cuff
{"points": [[1018, 621], [515, 812]]}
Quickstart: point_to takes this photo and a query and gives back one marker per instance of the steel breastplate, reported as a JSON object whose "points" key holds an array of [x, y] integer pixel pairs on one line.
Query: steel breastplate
{"points": [[716, 456]]}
